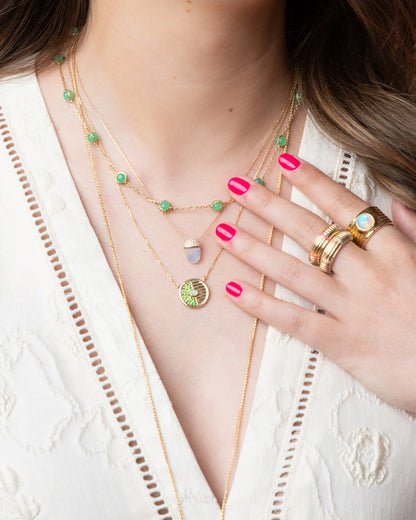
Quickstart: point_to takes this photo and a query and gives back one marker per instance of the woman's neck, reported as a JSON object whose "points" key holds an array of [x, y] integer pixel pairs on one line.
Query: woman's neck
{"points": [[187, 76]]}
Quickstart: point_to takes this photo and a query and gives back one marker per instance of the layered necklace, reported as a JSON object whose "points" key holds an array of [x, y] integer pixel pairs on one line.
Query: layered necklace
{"points": [[192, 246], [193, 292]]}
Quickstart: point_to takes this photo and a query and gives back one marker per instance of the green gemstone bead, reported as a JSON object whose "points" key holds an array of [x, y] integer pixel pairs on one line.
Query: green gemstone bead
{"points": [[217, 205], [121, 177], [75, 31], [281, 140], [165, 206], [259, 181], [68, 95], [59, 58], [93, 137], [298, 97]]}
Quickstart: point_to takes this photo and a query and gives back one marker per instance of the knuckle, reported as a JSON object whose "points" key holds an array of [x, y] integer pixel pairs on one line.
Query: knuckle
{"points": [[264, 198], [257, 303], [314, 177], [292, 272], [344, 199], [310, 226], [295, 322]]}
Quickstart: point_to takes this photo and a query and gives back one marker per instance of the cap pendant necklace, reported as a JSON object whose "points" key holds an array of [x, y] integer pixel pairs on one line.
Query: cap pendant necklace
{"points": [[193, 292], [192, 246]]}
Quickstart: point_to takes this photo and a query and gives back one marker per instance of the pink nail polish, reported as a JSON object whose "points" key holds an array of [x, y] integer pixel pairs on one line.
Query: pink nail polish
{"points": [[234, 289], [238, 186], [288, 162], [225, 232]]}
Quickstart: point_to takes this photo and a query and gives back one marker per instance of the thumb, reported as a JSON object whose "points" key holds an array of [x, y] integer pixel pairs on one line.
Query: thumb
{"points": [[404, 219]]}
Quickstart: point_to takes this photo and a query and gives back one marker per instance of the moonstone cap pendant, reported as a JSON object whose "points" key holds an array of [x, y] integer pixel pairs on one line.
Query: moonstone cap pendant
{"points": [[192, 249]]}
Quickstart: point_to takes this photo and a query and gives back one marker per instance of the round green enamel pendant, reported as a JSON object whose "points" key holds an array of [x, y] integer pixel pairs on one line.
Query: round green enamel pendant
{"points": [[194, 293]]}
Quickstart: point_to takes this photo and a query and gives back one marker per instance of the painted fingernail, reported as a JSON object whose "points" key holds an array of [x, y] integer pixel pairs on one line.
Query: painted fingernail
{"points": [[225, 232], [288, 162], [234, 289], [238, 186]]}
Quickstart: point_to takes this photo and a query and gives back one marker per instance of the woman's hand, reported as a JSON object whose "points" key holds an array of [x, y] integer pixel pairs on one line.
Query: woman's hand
{"points": [[369, 328]]}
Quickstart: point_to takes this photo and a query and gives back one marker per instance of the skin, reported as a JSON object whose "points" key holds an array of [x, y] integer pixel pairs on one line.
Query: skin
{"points": [[189, 89], [368, 328]]}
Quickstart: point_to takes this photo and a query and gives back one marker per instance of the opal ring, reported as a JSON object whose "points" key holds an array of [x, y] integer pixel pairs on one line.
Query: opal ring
{"points": [[333, 247], [320, 243], [366, 223]]}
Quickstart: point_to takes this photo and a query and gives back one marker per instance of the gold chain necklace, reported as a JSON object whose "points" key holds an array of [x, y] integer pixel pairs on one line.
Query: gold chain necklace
{"points": [[192, 247], [217, 205], [141, 361], [133, 327], [193, 292], [273, 133]]}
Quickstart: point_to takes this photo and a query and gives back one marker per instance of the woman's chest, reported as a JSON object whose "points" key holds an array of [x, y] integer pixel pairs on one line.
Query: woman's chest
{"points": [[205, 357]]}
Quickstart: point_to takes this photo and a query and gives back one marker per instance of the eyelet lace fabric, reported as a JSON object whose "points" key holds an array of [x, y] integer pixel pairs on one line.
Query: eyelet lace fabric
{"points": [[76, 434]]}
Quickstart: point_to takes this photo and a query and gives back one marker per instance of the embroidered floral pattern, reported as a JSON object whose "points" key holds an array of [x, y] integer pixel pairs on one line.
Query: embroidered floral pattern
{"points": [[47, 398], [13, 505], [365, 456], [61, 408], [99, 438], [7, 400]]}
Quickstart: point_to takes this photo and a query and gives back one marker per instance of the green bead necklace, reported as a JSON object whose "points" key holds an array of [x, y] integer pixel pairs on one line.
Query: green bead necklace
{"points": [[165, 205], [192, 247]]}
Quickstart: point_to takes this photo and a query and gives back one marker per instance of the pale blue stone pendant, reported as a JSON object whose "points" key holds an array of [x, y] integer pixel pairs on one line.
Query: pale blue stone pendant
{"points": [[192, 249]]}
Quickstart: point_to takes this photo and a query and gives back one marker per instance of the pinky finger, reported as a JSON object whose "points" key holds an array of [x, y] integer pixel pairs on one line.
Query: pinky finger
{"points": [[312, 328]]}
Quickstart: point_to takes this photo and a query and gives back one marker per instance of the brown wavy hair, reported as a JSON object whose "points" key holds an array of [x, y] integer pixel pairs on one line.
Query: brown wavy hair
{"points": [[356, 60]]}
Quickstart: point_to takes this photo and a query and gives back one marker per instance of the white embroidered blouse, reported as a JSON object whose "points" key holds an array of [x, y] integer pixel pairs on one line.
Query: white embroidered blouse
{"points": [[77, 439]]}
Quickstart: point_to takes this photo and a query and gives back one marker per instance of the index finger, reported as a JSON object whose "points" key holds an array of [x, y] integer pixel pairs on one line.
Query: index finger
{"points": [[332, 198]]}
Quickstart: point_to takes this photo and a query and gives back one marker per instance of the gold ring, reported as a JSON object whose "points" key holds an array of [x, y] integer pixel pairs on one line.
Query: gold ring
{"points": [[332, 249], [366, 223], [320, 243]]}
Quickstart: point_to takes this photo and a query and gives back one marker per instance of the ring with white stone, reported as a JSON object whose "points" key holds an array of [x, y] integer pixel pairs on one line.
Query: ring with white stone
{"points": [[366, 223]]}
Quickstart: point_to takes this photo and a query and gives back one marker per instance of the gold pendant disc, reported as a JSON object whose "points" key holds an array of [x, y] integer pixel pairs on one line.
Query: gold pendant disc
{"points": [[194, 293]]}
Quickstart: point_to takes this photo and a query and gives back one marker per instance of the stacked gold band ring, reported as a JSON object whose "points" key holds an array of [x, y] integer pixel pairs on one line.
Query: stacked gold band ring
{"points": [[321, 242], [330, 241], [334, 246], [366, 223]]}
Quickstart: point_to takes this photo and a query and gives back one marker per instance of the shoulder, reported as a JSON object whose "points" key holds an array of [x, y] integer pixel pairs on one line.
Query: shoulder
{"points": [[22, 124], [20, 98], [14, 85], [16, 92], [23, 121]]}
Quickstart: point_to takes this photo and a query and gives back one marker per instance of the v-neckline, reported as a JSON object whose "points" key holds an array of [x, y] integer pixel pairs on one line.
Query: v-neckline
{"points": [[92, 275]]}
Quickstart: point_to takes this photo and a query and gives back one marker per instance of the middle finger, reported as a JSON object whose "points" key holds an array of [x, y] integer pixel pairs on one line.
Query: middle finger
{"points": [[281, 267], [294, 221]]}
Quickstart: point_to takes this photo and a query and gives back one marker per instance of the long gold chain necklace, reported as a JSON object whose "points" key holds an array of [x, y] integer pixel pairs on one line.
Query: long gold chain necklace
{"points": [[141, 360], [133, 328]]}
